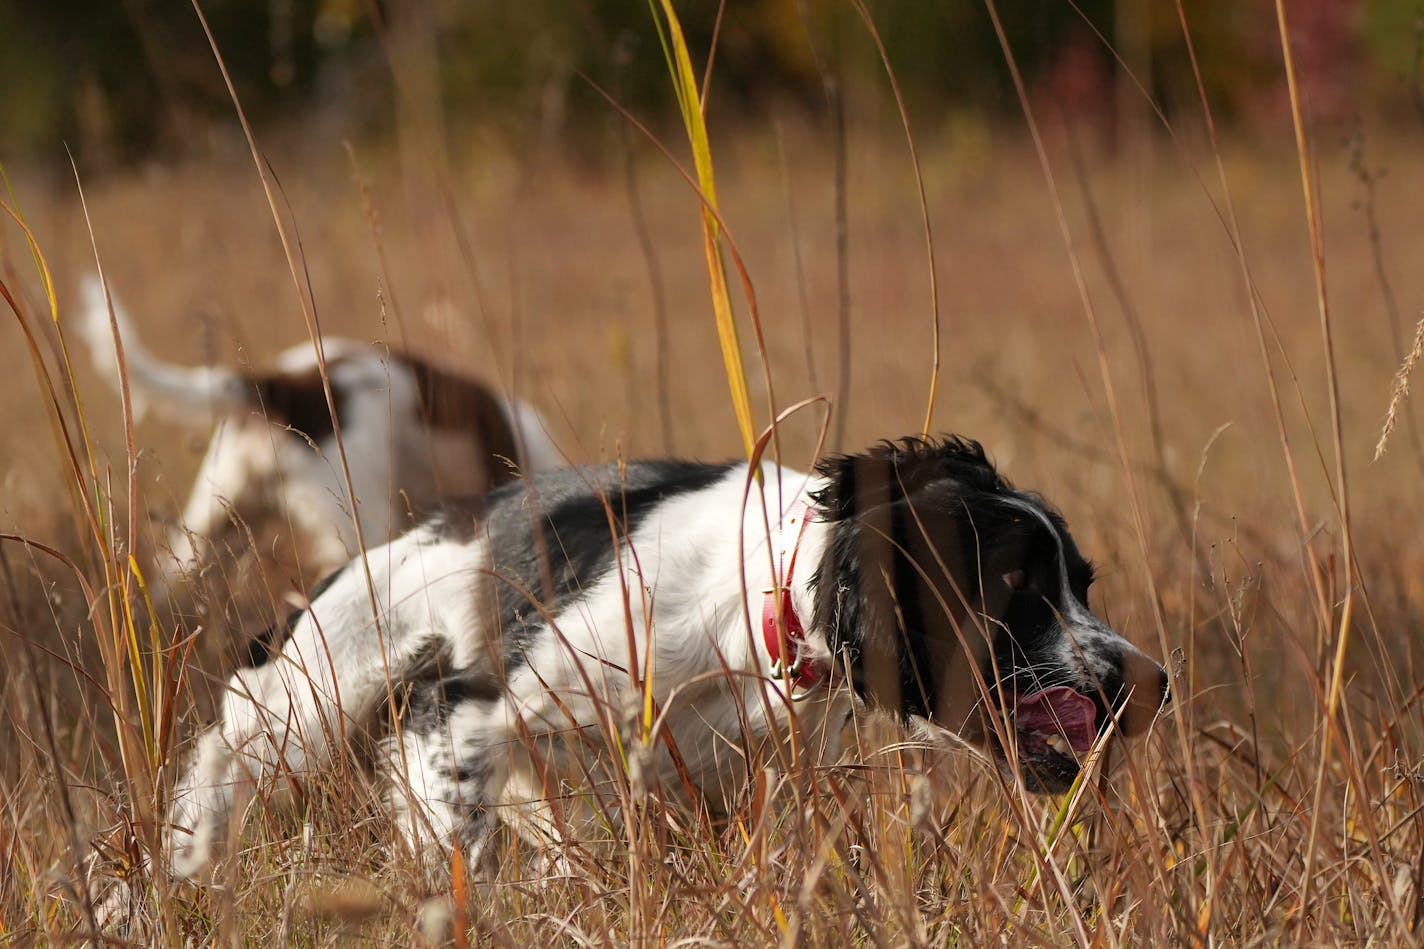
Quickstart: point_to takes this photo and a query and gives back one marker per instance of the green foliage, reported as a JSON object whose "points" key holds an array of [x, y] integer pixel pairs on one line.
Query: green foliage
{"points": [[1393, 35], [118, 80], [128, 77]]}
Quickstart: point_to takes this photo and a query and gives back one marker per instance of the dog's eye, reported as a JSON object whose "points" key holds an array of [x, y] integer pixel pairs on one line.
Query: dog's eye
{"points": [[1016, 580]]}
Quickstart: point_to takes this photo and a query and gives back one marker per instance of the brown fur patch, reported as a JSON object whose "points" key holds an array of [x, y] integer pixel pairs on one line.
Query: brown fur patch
{"points": [[298, 400], [452, 402]]}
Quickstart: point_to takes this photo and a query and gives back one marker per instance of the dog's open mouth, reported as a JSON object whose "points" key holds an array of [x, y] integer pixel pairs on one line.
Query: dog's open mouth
{"points": [[1059, 720]]}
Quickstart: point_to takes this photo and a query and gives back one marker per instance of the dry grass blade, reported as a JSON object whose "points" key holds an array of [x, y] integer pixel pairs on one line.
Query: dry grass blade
{"points": [[933, 395], [1227, 826], [1400, 390], [1332, 739], [291, 249]]}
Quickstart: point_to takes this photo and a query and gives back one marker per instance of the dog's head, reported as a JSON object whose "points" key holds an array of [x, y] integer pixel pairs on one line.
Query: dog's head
{"points": [[964, 601]]}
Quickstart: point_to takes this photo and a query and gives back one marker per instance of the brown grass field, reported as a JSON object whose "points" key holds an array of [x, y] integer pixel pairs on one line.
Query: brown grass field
{"points": [[1249, 816]]}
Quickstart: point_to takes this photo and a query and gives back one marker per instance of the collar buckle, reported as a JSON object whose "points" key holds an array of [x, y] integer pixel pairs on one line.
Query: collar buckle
{"points": [[780, 624]]}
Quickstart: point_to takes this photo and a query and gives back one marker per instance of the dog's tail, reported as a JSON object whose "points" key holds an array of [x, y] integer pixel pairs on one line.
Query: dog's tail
{"points": [[184, 394]]}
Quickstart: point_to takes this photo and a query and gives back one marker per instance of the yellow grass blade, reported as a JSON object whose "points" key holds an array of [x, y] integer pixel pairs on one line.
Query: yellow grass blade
{"points": [[135, 653], [689, 101], [40, 266]]}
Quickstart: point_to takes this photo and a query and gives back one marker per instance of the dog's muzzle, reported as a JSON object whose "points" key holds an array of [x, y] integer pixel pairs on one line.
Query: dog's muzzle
{"points": [[1146, 690]]}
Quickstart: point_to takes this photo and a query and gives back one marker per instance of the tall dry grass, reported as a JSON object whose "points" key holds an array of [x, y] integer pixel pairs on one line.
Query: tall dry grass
{"points": [[1136, 331]]}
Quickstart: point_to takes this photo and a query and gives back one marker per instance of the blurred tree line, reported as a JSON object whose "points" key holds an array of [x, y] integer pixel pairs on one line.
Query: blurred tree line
{"points": [[119, 79]]}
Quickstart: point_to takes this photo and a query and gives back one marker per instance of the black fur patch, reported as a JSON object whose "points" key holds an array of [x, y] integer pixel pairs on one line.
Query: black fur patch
{"points": [[266, 644], [434, 686], [298, 400], [551, 536]]}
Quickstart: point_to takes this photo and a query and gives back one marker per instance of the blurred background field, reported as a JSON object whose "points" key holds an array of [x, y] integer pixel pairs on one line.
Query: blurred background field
{"points": [[463, 190]]}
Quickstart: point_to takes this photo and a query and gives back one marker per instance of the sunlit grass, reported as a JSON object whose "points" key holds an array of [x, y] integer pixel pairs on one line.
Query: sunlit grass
{"points": [[1242, 819]]}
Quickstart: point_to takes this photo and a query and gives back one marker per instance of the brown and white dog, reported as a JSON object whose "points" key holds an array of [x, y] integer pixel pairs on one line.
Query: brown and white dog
{"points": [[413, 435]]}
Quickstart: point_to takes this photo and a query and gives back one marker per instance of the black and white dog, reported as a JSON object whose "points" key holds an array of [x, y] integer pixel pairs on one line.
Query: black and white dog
{"points": [[509, 654]]}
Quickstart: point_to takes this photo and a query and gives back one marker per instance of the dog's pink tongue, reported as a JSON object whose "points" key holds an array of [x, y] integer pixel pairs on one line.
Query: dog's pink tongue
{"points": [[1056, 711]]}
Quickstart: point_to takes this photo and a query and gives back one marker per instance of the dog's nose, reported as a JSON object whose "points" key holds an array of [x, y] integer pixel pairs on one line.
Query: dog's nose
{"points": [[1147, 687]]}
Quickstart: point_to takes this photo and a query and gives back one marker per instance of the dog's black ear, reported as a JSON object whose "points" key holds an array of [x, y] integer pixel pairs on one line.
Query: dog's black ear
{"points": [[892, 469], [836, 500]]}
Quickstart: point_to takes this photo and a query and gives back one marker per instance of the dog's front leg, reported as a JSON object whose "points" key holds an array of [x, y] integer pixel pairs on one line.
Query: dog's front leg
{"points": [[236, 469], [441, 792], [311, 495], [276, 723]]}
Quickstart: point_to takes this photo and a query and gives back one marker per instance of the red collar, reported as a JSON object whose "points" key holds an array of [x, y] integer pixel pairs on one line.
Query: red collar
{"points": [[804, 672]]}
